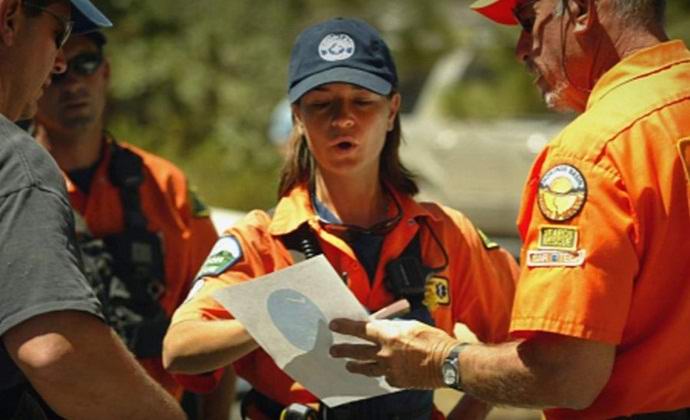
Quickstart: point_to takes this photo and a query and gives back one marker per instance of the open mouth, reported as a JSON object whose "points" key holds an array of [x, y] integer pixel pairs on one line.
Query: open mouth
{"points": [[345, 145]]}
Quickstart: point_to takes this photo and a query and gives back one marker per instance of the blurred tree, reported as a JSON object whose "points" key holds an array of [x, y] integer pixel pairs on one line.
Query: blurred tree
{"points": [[197, 81]]}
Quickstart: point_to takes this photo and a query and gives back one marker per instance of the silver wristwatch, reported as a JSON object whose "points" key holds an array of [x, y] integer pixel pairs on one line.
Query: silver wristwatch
{"points": [[450, 369]]}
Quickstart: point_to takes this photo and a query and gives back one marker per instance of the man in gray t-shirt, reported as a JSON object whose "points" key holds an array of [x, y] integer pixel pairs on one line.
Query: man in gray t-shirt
{"points": [[51, 331]]}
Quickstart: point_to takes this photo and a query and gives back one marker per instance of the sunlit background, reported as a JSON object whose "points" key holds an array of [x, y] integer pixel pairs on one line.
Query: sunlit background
{"points": [[197, 82]]}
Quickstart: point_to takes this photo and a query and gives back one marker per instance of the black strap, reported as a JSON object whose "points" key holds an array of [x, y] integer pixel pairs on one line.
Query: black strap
{"points": [[302, 240], [406, 275], [682, 414], [126, 173], [138, 258]]}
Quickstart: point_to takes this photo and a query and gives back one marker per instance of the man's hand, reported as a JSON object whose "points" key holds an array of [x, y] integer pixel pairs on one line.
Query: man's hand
{"points": [[408, 353]]}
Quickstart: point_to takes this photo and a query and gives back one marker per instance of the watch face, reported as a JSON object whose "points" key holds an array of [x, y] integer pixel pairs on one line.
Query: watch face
{"points": [[449, 375]]}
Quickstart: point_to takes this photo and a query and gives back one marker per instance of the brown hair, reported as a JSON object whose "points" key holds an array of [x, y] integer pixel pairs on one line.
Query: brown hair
{"points": [[299, 166], [33, 12]]}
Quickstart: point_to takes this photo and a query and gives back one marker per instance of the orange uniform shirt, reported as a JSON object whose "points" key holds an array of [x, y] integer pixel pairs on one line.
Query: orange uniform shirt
{"points": [[165, 201], [606, 231], [476, 287]]}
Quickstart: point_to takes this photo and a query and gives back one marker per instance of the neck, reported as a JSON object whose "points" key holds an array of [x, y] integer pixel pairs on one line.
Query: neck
{"points": [[8, 107], [353, 201], [76, 149], [622, 40]]}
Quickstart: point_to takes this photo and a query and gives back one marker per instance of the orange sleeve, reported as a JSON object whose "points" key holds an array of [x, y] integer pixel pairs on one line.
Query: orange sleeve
{"points": [[584, 292]]}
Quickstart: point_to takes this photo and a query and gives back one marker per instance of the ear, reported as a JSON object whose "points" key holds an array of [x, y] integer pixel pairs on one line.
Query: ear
{"points": [[393, 112], [583, 13], [10, 11]]}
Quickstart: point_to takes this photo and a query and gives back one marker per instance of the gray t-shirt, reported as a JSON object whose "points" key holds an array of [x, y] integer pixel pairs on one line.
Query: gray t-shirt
{"points": [[40, 264]]}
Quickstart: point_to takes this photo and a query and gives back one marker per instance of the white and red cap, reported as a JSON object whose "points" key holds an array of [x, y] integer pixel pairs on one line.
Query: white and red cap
{"points": [[500, 11]]}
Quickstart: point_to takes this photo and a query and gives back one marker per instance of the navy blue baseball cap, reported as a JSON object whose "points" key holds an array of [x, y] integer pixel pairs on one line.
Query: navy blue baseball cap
{"points": [[340, 50], [87, 17]]}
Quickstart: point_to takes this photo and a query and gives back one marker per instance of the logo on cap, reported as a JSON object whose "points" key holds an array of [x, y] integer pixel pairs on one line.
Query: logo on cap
{"points": [[336, 47]]}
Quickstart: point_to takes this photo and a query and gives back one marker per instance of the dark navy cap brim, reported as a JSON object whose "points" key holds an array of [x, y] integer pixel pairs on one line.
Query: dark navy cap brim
{"points": [[341, 75], [87, 17]]}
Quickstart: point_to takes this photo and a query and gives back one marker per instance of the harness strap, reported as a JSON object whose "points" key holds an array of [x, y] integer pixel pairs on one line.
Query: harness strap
{"points": [[126, 173]]}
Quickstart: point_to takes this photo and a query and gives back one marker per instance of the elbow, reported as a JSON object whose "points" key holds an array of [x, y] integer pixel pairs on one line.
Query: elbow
{"points": [[172, 355], [571, 372], [45, 355]]}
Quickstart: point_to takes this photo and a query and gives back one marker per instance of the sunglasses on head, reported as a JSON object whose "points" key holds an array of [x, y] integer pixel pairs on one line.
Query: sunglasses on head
{"points": [[67, 25], [84, 64]]}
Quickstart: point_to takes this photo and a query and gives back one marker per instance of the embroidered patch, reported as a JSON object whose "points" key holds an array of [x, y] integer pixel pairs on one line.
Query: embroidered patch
{"points": [[225, 253], [199, 209], [563, 238], [562, 193], [684, 151], [336, 47], [198, 284], [488, 243], [554, 258], [436, 293]]}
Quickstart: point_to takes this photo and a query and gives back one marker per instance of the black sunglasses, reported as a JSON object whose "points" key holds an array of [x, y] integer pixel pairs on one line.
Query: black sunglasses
{"points": [[84, 64], [67, 25]]}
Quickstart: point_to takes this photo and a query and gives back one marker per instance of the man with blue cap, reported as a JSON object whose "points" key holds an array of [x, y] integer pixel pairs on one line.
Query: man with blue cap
{"points": [[58, 359]]}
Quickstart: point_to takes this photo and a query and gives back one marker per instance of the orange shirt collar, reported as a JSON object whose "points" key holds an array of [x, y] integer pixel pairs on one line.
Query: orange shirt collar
{"points": [[296, 208], [637, 65]]}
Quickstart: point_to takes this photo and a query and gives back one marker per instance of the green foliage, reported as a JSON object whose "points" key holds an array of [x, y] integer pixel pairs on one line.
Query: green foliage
{"points": [[196, 81]]}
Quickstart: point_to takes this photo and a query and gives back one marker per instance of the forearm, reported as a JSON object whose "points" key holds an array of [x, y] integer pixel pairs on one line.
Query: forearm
{"points": [[194, 347], [217, 404], [83, 371], [496, 373], [538, 373]]}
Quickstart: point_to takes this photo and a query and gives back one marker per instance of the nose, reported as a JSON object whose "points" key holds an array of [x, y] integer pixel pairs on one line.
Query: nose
{"points": [[523, 47], [60, 64], [342, 115]]}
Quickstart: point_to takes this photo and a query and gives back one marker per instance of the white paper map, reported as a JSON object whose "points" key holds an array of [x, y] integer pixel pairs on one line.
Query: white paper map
{"points": [[288, 311]]}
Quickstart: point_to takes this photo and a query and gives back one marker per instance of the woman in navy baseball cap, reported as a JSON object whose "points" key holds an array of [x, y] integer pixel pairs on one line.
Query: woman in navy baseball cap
{"points": [[344, 193]]}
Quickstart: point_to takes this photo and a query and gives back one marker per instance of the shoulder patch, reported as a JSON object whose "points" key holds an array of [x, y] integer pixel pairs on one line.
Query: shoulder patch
{"points": [[563, 238], [199, 209], [684, 151], [436, 292], [198, 284], [555, 258], [488, 243], [225, 253], [562, 193]]}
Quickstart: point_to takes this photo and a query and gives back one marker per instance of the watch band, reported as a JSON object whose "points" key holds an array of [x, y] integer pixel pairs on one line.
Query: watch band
{"points": [[450, 369]]}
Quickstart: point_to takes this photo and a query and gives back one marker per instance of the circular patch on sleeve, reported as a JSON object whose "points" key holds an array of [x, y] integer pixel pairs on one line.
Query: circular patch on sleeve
{"points": [[562, 193]]}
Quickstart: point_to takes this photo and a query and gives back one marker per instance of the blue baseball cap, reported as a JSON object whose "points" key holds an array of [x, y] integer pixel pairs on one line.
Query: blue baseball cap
{"points": [[340, 50], [87, 17]]}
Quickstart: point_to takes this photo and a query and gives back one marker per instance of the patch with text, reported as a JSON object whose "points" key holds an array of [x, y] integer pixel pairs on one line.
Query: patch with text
{"points": [[555, 258], [563, 238]]}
